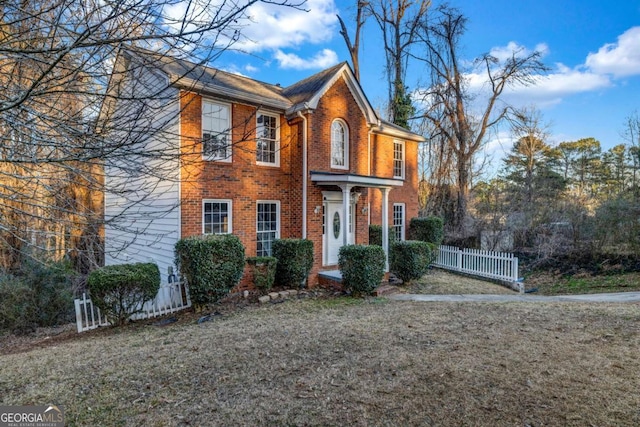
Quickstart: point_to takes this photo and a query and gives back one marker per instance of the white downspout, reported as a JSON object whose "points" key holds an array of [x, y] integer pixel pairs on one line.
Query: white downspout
{"points": [[304, 174]]}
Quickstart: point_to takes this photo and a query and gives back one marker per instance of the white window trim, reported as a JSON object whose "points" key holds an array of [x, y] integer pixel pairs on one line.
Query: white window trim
{"points": [[278, 221], [229, 202], [229, 158], [346, 145], [403, 228], [277, 147], [403, 145]]}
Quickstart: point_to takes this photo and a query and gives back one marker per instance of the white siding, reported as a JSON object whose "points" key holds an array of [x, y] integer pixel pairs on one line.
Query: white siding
{"points": [[142, 187]]}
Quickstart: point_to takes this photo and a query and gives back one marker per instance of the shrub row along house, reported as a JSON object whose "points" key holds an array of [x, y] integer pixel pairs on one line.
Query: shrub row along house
{"points": [[222, 153]]}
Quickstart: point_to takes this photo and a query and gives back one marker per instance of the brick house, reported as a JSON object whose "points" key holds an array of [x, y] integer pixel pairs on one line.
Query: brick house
{"points": [[312, 160]]}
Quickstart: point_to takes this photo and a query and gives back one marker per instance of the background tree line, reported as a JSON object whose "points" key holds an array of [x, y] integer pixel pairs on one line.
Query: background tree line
{"points": [[564, 196]]}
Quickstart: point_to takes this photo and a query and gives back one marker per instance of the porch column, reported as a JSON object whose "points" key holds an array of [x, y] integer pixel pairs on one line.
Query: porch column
{"points": [[346, 201], [385, 226]]}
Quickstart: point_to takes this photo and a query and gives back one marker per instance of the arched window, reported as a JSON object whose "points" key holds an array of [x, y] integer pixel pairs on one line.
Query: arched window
{"points": [[339, 145]]}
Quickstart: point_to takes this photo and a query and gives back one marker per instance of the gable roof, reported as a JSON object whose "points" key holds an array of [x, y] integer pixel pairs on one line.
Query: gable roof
{"points": [[301, 96]]}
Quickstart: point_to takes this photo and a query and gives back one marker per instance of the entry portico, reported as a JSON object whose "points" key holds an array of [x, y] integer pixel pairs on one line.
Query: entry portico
{"points": [[346, 183]]}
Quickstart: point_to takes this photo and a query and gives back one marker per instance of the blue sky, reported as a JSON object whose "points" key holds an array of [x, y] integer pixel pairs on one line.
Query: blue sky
{"points": [[592, 48]]}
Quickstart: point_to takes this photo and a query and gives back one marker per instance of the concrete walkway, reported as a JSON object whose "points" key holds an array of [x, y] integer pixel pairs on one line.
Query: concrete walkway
{"points": [[614, 297]]}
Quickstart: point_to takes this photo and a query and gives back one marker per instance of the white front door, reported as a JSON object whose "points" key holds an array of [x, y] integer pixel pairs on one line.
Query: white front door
{"points": [[335, 225], [334, 229]]}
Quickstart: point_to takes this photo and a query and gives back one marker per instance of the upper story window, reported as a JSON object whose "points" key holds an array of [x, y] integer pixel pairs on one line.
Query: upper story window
{"points": [[339, 145], [398, 159], [268, 139], [216, 131]]}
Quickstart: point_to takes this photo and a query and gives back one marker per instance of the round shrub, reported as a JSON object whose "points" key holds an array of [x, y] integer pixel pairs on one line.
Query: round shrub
{"points": [[120, 291], [410, 259], [295, 260], [212, 265], [375, 235], [428, 229], [362, 267], [264, 271]]}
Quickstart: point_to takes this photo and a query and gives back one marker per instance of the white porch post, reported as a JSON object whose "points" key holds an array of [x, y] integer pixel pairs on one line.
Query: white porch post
{"points": [[385, 226], [346, 200]]}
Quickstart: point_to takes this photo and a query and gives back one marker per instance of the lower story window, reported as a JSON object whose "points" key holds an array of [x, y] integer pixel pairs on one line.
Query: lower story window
{"points": [[398, 221], [267, 226], [216, 216]]}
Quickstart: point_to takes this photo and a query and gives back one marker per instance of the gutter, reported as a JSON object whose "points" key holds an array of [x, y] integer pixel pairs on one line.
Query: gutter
{"points": [[304, 174]]}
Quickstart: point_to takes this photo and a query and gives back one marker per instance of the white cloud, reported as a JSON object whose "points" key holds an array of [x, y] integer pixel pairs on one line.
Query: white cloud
{"points": [[273, 27], [251, 69], [503, 53], [552, 88], [621, 58], [323, 59]]}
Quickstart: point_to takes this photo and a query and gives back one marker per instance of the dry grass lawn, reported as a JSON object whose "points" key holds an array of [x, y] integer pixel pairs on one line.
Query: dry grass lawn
{"points": [[441, 282], [339, 362]]}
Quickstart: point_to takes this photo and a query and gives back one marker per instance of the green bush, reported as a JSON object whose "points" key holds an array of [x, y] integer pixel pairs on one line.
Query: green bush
{"points": [[428, 229], [16, 307], [362, 267], [264, 270], [295, 260], [410, 259], [38, 294], [375, 235], [212, 265], [120, 291], [52, 284]]}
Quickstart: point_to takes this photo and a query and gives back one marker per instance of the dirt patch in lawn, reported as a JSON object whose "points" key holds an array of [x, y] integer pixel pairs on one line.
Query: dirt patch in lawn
{"points": [[343, 361], [441, 282]]}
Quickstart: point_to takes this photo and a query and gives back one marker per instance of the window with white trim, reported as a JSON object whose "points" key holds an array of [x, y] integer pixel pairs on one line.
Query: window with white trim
{"points": [[398, 159], [267, 226], [216, 131], [398, 221], [268, 139], [216, 216], [339, 145]]}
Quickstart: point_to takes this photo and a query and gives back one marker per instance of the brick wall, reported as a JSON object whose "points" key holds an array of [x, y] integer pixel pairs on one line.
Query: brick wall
{"points": [[244, 182]]}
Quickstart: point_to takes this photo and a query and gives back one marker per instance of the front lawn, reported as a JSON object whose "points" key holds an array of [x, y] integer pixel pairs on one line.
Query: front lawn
{"points": [[583, 283], [343, 361]]}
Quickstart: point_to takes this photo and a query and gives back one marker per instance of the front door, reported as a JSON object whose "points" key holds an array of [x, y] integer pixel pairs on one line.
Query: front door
{"points": [[335, 225], [334, 229]]}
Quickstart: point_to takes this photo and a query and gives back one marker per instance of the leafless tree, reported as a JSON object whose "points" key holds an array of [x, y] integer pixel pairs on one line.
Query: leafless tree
{"points": [[61, 129], [362, 12], [398, 21], [448, 103], [631, 134]]}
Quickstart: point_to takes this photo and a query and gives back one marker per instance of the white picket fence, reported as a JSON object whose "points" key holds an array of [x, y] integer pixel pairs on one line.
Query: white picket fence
{"points": [[501, 266], [171, 297]]}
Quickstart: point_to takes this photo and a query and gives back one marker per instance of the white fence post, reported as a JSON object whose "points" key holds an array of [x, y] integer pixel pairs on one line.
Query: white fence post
{"points": [[494, 265], [163, 303]]}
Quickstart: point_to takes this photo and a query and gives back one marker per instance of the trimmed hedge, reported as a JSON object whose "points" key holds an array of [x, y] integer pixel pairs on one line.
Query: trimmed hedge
{"points": [[410, 259], [428, 229], [375, 235], [120, 291], [212, 265], [264, 271], [362, 267], [295, 260]]}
